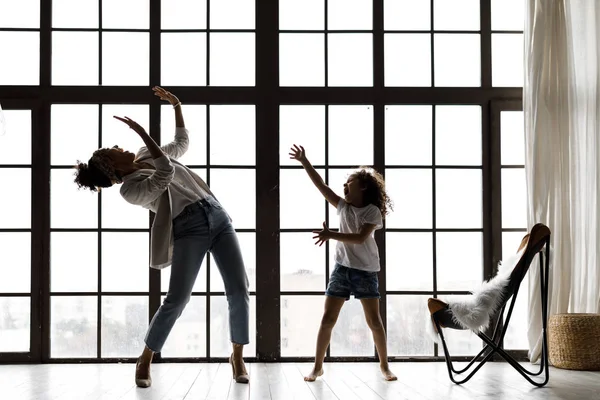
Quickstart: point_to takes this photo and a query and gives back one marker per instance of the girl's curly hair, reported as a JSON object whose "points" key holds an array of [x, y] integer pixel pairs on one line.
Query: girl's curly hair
{"points": [[375, 192]]}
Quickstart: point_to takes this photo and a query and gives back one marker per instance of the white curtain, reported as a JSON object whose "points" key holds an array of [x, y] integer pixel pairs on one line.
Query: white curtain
{"points": [[562, 157]]}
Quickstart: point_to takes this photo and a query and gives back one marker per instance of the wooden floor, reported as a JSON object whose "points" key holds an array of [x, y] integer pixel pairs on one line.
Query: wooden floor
{"points": [[356, 381]]}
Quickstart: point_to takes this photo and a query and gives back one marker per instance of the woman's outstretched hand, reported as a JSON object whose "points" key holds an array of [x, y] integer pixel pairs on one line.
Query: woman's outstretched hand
{"points": [[165, 95], [132, 124], [298, 153]]}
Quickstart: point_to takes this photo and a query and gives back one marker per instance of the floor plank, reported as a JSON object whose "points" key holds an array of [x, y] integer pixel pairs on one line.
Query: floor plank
{"points": [[275, 381], [203, 383]]}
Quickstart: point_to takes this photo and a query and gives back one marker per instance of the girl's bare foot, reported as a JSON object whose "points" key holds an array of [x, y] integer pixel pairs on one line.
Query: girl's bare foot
{"points": [[388, 375], [314, 374]]}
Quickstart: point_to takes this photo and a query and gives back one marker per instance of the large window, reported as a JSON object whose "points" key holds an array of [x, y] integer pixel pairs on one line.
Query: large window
{"points": [[428, 92]]}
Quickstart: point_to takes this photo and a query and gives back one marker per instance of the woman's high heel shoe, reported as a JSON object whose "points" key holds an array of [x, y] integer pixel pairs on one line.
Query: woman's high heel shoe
{"points": [[238, 376]]}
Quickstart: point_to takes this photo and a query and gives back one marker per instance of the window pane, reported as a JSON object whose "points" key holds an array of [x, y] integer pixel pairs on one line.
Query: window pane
{"points": [[459, 260], [20, 14], [516, 335], [457, 60], [115, 132], [461, 343], [15, 211], [118, 213], [232, 59], [247, 242], [183, 59], [232, 124], [351, 135], [75, 14], [199, 285], [71, 207], [406, 15], [297, 192], [408, 135], [68, 142], [352, 336], [305, 126], [300, 321], [75, 58], [73, 261], [125, 271], [337, 178], [416, 210], [507, 60], [183, 14], [25, 47], [514, 198], [232, 14], [15, 268], [125, 59], [407, 338], [458, 198], [2, 123], [409, 261], [508, 15], [350, 59], [301, 59], [195, 122], [15, 144], [407, 59], [512, 138], [458, 135], [302, 14], [302, 263], [73, 326], [350, 14], [452, 15], [240, 199], [188, 336], [220, 341], [124, 324], [15, 323], [131, 14], [510, 243]]}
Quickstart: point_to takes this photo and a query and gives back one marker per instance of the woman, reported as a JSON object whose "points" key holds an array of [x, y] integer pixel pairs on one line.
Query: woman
{"points": [[188, 222]]}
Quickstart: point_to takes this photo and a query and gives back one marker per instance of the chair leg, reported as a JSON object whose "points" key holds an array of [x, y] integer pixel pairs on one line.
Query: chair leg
{"points": [[518, 367], [496, 339], [450, 366]]}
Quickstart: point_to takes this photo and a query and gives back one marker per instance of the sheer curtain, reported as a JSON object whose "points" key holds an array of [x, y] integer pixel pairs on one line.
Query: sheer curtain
{"points": [[562, 123]]}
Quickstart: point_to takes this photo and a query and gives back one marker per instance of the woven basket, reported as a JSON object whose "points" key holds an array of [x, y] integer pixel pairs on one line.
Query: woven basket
{"points": [[573, 341]]}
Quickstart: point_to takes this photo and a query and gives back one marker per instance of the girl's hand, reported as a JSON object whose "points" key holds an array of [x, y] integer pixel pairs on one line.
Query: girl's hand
{"points": [[298, 153], [132, 124], [165, 95], [323, 235]]}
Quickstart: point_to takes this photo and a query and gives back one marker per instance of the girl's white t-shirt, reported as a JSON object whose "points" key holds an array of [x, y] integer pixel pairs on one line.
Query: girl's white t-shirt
{"points": [[364, 256]]}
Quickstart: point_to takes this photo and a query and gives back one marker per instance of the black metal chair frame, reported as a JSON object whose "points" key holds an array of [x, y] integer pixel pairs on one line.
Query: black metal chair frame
{"points": [[493, 344]]}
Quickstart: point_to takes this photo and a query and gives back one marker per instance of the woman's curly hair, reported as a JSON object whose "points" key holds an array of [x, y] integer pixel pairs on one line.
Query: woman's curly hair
{"points": [[375, 192], [88, 176]]}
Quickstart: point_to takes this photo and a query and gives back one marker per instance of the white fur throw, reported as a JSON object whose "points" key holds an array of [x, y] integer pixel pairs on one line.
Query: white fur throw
{"points": [[474, 312]]}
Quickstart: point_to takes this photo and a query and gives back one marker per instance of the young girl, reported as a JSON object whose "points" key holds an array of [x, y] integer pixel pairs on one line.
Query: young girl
{"points": [[188, 222], [361, 212]]}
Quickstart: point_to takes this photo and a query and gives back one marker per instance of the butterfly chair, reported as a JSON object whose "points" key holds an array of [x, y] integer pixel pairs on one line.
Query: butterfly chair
{"points": [[504, 286]]}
